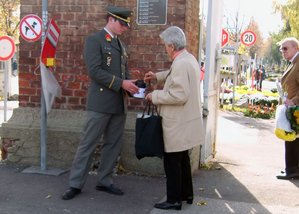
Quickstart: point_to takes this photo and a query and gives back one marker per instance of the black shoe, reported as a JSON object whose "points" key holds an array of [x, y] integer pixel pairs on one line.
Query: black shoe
{"points": [[168, 206], [70, 193], [188, 199], [110, 189], [288, 176]]}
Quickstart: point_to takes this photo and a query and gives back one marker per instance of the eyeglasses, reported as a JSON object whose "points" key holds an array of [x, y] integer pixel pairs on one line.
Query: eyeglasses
{"points": [[283, 49], [123, 23]]}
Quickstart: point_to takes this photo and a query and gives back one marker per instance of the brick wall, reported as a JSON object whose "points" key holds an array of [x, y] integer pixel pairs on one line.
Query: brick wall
{"points": [[76, 19]]}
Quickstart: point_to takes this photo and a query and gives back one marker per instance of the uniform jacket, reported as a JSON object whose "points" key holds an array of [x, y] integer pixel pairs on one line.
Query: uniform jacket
{"points": [[106, 61], [290, 81], [180, 105]]}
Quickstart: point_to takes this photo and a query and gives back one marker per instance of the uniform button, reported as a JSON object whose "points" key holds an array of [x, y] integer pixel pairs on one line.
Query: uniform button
{"points": [[101, 89]]}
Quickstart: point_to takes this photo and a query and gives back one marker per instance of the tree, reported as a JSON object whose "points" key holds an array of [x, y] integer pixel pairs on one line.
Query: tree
{"points": [[9, 22], [275, 56], [258, 47], [289, 14], [234, 27], [290, 17]]}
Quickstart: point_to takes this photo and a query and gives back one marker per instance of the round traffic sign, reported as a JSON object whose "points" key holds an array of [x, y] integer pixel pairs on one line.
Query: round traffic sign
{"points": [[31, 28], [7, 48], [248, 38]]}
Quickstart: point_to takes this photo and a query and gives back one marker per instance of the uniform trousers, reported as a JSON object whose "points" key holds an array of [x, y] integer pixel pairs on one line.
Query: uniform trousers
{"points": [[111, 127], [292, 156], [178, 176]]}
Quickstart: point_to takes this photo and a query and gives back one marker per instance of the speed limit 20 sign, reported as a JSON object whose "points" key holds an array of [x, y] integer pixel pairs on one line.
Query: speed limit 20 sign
{"points": [[248, 38]]}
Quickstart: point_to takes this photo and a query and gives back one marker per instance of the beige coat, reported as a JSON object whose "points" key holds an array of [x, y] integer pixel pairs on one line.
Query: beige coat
{"points": [[180, 105], [290, 81]]}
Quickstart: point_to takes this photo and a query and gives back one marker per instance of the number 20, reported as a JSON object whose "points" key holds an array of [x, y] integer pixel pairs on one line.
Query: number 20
{"points": [[248, 38]]}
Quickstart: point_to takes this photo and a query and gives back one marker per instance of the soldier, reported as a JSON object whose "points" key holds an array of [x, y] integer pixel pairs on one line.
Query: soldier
{"points": [[106, 61]]}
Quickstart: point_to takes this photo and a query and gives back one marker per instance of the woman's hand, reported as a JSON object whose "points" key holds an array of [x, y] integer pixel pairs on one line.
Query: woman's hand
{"points": [[149, 97], [149, 76]]}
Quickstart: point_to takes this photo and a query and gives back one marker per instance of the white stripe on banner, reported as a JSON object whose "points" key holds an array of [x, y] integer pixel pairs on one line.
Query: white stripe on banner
{"points": [[50, 86], [53, 35]]}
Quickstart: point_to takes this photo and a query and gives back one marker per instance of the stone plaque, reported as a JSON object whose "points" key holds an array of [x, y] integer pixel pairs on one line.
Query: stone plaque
{"points": [[151, 12]]}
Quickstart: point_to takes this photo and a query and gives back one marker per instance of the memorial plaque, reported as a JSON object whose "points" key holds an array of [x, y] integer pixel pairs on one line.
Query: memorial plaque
{"points": [[151, 12]]}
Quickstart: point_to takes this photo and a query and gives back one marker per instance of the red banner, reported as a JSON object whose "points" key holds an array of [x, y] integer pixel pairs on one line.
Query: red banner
{"points": [[50, 44]]}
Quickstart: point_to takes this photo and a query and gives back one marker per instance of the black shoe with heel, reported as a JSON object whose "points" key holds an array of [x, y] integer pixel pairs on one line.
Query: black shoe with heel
{"points": [[289, 176], [169, 206]]}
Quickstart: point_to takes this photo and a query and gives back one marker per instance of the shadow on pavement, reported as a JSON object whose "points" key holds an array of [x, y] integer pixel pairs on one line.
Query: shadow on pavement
{"points": [[223, 193], [34, 193]]}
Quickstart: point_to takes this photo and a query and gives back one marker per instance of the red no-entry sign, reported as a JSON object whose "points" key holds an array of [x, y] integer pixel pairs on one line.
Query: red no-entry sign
{"points": [[7, 48]]}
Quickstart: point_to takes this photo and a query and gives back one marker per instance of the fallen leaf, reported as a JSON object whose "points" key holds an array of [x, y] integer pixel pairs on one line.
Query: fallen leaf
{"points": [[202, 203]]}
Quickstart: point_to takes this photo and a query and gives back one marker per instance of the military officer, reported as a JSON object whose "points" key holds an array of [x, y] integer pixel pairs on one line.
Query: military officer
{"points": [[106, 60]]}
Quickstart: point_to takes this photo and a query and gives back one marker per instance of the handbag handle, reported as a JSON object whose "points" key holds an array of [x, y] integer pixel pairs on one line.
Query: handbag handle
{"points": [[150, 108]]}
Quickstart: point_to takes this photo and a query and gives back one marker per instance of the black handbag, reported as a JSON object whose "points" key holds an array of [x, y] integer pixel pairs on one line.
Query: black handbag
{"points": [[149, 133]]}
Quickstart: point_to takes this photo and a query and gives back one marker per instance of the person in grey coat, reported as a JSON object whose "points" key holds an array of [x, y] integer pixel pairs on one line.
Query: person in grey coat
{"points": [[106, 60]]}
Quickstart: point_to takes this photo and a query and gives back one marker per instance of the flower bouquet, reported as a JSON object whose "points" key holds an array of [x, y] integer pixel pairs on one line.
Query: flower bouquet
{"points": [[292, 114], [286, 124]]}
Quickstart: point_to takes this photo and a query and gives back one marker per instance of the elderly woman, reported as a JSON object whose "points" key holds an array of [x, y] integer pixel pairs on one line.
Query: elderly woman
{"points": [[180, 107]]}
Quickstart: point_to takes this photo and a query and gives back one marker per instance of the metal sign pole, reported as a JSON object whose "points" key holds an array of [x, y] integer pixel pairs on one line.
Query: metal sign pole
{"points": [[236, 62], [43, 128], [6, 71], [43, 113]]}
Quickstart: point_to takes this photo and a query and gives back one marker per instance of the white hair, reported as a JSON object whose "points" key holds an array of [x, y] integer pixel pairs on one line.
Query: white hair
{"points": [[175, 36], [292, 40]]}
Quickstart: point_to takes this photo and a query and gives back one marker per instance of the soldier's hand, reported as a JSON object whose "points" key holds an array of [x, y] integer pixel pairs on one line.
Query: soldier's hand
{"points": [[129, 85]]}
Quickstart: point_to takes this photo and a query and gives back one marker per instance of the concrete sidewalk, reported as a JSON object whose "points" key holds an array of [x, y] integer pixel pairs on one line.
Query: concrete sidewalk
{"points": [[241, 180]]}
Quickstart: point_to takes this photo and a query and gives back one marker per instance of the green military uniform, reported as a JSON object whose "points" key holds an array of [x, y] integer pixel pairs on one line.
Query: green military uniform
{"points": [[106, 61]]}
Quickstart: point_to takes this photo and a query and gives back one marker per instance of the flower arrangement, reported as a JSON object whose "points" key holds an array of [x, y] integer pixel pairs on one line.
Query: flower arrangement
{"points": [[284, 135], [292, 113], [260, 111], [108, 37], [283, 129]]}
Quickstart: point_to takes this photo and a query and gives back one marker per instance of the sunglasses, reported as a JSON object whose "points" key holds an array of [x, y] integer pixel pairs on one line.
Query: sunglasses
{"points": [[123, 23], [283, 49]]}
